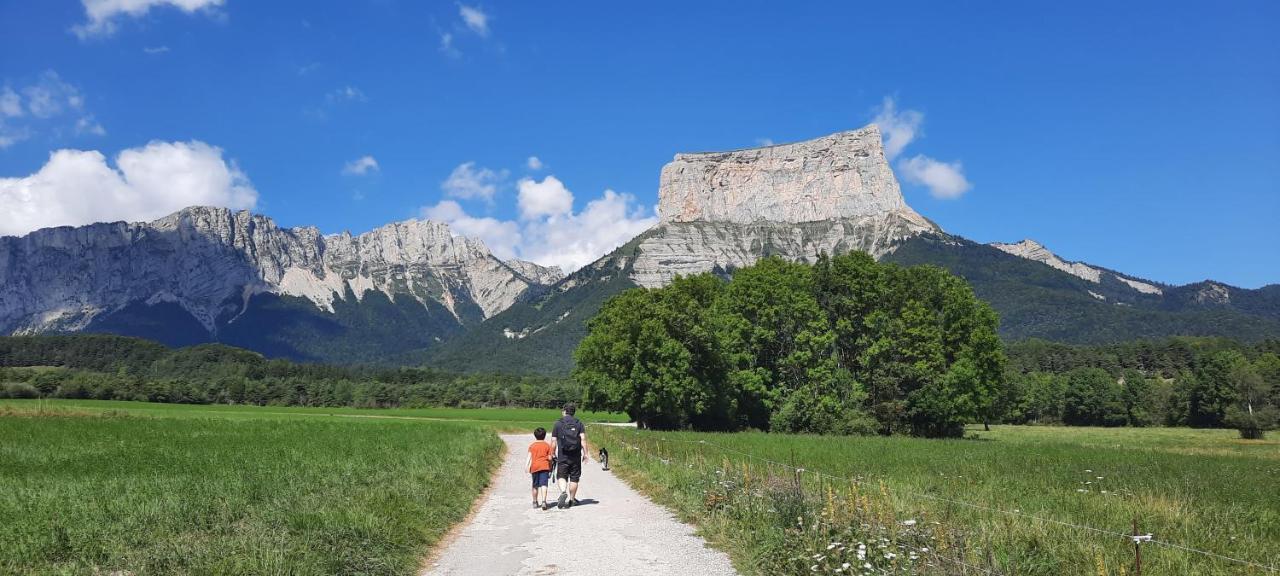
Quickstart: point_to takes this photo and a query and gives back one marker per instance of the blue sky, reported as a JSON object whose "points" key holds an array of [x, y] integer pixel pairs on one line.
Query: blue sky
{"points": [[1140, 136]]}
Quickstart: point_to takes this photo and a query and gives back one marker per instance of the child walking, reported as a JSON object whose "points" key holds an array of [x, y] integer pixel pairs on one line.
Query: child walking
{"points": [[538, 463]]}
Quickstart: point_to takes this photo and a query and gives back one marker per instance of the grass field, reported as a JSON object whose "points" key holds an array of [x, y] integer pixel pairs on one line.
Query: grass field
{"points": [[103, 487], [1205, 489]]}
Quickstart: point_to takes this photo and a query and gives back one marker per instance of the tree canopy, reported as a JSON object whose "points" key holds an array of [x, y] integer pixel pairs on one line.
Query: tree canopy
{"points": [[847, 345]]}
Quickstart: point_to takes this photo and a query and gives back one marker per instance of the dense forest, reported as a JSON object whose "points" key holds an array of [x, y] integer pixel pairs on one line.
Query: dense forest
{"points": [[121, 368], [850, 345], [1199, 382]]}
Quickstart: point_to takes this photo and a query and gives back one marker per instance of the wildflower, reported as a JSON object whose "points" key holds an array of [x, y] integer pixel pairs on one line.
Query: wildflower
{"points": [[846, 565], [925, 549], [908, 522]]}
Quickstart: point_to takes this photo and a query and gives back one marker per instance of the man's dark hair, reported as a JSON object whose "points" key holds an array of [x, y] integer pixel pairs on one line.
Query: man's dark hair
{"points": [[540, 433], [570, 408]]}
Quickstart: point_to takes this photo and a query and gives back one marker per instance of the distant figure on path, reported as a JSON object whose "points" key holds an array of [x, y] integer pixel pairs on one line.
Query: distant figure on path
{"points": [[571, 447], [538, 464]]}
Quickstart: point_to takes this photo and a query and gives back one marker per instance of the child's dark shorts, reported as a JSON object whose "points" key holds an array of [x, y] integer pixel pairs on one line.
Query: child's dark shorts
{"points": [[540, 479]]}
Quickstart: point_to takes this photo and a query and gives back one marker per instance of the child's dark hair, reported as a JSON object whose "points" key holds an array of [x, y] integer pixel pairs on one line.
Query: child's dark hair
{"points": [[540, 433], [570, 408]]}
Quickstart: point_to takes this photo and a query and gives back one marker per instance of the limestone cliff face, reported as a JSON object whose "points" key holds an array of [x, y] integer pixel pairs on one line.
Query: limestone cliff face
{"points": [[725, 210], [211, 260], [841, 176]]}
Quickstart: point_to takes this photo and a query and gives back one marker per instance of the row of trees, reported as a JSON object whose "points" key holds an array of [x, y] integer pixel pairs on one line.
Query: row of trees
{"points": [[119, 368], [847, 345], [1218, 384]]}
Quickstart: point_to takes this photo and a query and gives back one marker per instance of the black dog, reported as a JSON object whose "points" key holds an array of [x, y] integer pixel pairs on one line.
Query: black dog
{"points": [[604, 459]]}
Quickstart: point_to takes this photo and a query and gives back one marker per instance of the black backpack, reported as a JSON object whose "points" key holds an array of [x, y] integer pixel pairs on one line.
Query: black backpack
{"points": [[570, 441]]}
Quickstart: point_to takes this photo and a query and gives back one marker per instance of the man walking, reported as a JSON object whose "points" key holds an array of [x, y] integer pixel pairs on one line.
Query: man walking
{"points": [[570, 437]]}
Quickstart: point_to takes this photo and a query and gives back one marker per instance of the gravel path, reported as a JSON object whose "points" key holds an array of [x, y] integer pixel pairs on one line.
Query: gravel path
{"points": [[615, 531]]}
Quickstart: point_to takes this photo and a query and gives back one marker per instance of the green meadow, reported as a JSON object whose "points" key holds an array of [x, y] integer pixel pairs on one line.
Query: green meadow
{"points": [[137, 488], [141, 488], [1015, 500]]}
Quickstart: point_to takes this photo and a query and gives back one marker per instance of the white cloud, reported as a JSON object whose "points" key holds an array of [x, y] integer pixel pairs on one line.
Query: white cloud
{"points": [[102, 14], [87, 125], [77, 187], [898, 128], [549, 231], [468, 182], [361, 166], [51, 95], [43, 103], [546, 198], [10, 103], [10, 136], [475, 19], [572, 241], [944, 179], [502, 237], [155, 49], [533, 163]]}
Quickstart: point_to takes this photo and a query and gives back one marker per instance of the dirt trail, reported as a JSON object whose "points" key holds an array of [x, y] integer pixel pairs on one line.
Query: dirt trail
{"points": [[615, 531]]}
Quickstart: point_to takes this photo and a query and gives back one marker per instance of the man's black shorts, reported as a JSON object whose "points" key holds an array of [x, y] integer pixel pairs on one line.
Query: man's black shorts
{"points": [[569, 465]]}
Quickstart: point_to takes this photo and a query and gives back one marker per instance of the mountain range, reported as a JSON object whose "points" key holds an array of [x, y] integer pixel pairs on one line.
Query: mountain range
{"points": [[414, 292]]}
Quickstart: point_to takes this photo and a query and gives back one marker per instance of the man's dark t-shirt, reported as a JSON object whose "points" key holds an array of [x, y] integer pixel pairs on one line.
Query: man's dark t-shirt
{"points": [[566, 431]]}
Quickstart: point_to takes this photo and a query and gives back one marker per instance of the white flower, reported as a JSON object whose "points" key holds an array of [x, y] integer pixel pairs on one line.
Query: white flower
{"points": [[908, 522]]}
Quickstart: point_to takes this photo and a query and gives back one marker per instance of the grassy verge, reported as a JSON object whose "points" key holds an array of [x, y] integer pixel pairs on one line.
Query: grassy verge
{"points": [[496, 415], [898, 496], [87, 492]]}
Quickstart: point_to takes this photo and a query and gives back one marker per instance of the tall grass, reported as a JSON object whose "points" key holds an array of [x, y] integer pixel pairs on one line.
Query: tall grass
{"points": [[83, 494], [1204, 489]]}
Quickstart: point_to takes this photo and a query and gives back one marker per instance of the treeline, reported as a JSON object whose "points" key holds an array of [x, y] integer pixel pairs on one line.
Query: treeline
{"points": [[845, 346], [119, 368], [1198, 382]]}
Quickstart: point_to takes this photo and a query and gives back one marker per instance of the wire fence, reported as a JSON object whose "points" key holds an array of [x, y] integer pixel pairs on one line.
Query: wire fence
{"points": [[1134, 537]]}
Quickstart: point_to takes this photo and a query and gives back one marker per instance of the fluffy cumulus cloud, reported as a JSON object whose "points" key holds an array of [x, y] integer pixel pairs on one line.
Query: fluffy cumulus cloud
{"points": [[943, 179], [102, 15], [549, 231], [474, 18], [77, 187], [533, 163], [898, 128], [547, 198], [468, 182], [360, 166], [573, 240]]}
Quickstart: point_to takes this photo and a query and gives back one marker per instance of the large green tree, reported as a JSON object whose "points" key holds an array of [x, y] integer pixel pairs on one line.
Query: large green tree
{"points": [[790, 347]]}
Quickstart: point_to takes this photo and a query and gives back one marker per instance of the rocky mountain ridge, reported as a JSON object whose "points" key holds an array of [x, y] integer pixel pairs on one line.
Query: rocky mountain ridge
{"points": [[211, 261], [1036, 252]]}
